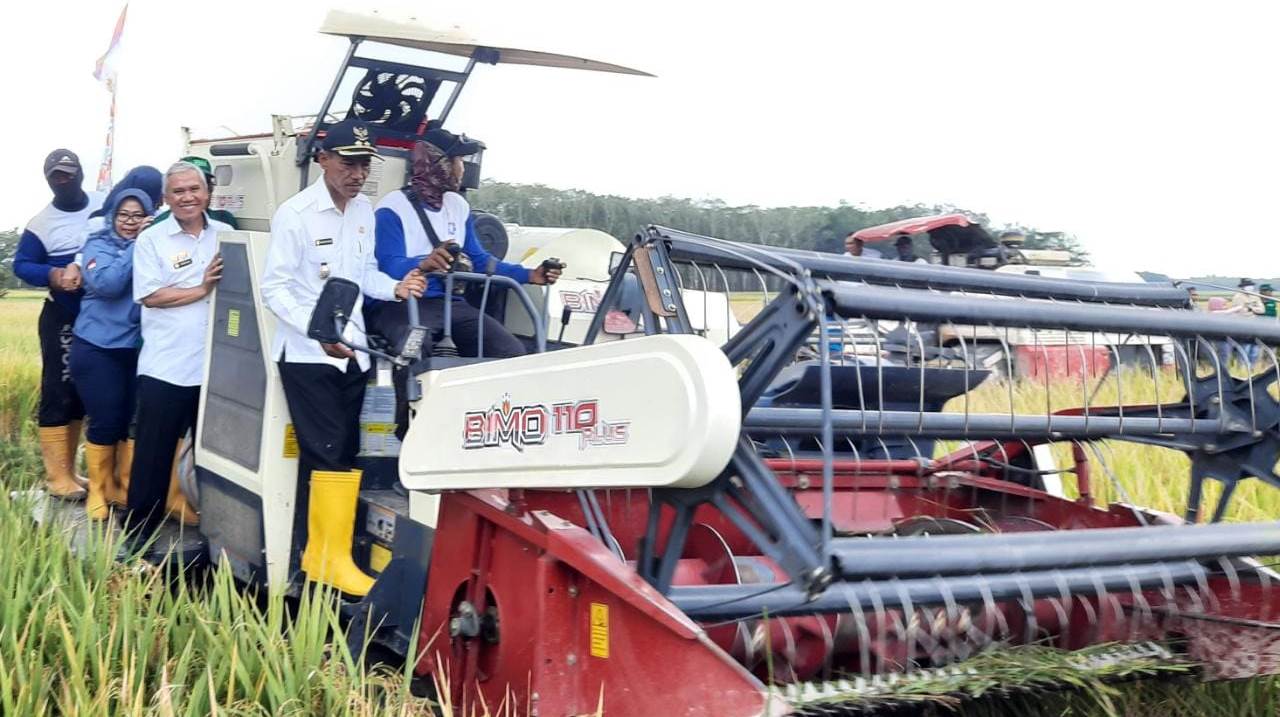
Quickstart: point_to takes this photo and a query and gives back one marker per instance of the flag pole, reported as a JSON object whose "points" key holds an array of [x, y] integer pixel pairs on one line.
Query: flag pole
{"points": [[105, 72], [104, 171]]}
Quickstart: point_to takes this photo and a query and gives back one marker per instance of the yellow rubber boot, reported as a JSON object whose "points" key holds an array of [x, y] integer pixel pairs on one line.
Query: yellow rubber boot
{"points": [[118, 493], [73, 445], [58, 480], [102, 467], [331, 523], [176, 504]]}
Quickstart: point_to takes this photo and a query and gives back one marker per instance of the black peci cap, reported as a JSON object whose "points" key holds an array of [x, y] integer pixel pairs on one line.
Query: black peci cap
{"points": [[349, 138]]}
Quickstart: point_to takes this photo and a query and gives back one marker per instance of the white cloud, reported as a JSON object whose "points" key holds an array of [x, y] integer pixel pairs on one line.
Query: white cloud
{"points": [[1145, 128]]}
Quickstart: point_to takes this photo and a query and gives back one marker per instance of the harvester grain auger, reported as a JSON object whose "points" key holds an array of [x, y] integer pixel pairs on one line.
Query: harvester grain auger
{"points": [[675, 529]]}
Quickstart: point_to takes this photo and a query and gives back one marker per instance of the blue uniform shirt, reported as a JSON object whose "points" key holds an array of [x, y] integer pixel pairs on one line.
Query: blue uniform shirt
{"points": [[401, 242], [109, 318], [50, 241]]}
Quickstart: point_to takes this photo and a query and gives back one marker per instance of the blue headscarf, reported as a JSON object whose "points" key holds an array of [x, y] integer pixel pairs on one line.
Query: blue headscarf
{"points": [[109, 211], [144, 177]]}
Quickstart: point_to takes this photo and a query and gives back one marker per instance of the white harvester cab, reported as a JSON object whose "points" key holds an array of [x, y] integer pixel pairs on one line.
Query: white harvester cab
{"points": [[246, 450]]}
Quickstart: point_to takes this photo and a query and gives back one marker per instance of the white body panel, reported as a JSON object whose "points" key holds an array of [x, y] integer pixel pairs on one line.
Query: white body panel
{"points": [[276, 479], [649, 412], [252, 185]]}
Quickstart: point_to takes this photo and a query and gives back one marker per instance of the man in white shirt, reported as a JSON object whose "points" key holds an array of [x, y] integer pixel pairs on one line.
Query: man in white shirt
{"points": [[175, 268], [326, 231], [906, 250], [854, 246]]}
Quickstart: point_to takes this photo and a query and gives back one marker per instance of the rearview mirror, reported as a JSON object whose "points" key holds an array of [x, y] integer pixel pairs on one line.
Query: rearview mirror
{"points": [[333, 310]]}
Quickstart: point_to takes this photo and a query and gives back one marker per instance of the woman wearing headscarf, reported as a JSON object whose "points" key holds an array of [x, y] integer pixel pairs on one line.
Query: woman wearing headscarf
{"points": [[104, 348], [143, 177], [416, 227]]}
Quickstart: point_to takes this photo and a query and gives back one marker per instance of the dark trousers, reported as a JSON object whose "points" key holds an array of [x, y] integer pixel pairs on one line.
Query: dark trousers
{"points": [[107, 381], [165, 413], [391, 321], [59, 401], [324, 405]]}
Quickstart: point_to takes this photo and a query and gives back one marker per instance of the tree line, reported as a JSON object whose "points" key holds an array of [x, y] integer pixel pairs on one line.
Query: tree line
{"points": [[814, 227]]}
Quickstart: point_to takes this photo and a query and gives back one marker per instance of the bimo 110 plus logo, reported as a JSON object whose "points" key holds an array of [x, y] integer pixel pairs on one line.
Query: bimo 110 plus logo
{"points": [[532, 424]]}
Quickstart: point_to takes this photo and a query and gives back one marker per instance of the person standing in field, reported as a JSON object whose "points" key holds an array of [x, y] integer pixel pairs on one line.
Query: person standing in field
{"points": [[104, 351], [1247, 303], [906, 250], [854, 246], [323, 232], [45, 258], [1268, 300], [175, 268]]}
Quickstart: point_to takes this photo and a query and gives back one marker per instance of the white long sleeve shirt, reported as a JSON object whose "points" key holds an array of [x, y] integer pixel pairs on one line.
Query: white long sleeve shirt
{"points": [[312, 241], [173, 338]]}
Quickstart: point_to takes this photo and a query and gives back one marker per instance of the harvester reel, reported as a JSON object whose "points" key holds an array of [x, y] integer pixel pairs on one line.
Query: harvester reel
{"points": [[1251, 453], [394, 101]]}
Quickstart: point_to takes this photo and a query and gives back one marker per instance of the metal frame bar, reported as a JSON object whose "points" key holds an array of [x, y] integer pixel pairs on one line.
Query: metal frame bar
{"points": [[728, 602], [686, 246]]}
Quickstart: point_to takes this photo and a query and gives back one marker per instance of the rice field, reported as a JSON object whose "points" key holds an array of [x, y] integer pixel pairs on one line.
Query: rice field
{"points": [[84, 634]]}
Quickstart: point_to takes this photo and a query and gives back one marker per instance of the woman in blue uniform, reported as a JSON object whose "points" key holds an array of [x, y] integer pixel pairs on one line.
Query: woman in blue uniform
{"points": [[104, 348]]}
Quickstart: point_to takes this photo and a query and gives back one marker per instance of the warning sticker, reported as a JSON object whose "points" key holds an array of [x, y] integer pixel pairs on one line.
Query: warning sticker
{"points": [[378, 423], [233, 323], [290, 441], [229, 202], [600, 630]]}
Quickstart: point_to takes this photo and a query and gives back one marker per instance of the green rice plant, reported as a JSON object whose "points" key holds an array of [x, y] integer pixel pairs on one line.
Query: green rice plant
{"points": [[84, 633], [1123, 471]]}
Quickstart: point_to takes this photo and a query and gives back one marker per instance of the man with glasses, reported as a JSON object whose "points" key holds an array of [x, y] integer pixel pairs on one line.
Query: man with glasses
{"points": [[45, 257]]}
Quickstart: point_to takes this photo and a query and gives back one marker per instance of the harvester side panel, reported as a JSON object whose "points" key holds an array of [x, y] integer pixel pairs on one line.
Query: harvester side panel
{"points": [[577, 628]]}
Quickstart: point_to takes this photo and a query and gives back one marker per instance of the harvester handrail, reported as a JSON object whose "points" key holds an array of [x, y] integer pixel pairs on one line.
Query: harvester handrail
{"points": [[987, 426], [1004, 552], [878, 302]]}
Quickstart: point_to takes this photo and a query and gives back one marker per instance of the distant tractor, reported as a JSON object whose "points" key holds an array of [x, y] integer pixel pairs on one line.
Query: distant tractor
{"points": [[1020, 351]]}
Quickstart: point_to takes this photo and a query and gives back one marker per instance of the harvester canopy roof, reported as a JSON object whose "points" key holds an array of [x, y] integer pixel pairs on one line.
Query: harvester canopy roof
{"points": [[911, 226], [409, 31]]}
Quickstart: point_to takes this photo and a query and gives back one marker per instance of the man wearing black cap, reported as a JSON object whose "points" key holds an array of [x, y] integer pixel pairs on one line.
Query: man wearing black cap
{"points": [[417, 226], [326, 231], [906, 250], [44, 257]]}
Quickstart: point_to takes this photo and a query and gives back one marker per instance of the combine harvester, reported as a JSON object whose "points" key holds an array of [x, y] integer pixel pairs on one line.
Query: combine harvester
{"points": [[681, 515]]}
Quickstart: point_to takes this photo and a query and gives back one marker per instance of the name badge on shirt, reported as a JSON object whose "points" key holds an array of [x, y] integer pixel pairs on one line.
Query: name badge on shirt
{"points": [[181, 260], [327, 241]]}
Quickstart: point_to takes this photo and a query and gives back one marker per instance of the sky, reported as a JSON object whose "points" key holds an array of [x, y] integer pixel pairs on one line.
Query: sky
{"points": [[1146, 129]]}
